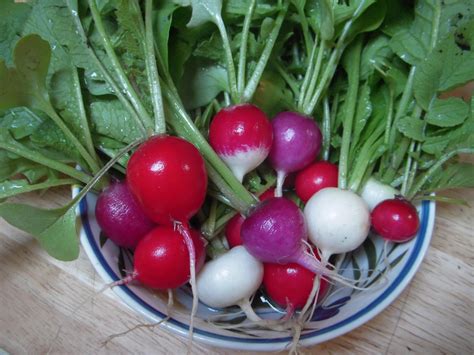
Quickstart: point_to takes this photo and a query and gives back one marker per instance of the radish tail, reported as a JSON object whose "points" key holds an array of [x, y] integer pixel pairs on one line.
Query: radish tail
{"points": [[183, 229], [281, 175]]}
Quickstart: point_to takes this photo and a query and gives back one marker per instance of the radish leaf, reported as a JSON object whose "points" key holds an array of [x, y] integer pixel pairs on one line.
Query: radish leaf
{"points": [[54, 229], [447, 113]]}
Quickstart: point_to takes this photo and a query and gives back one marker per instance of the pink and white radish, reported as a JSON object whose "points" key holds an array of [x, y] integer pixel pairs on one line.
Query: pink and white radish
{"points": [[120, 216], [374, 192], [338, 221], [242, 136], [296, 143]]}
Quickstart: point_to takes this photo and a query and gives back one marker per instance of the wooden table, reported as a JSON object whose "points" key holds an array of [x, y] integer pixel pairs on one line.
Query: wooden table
{"points": [[39, 297]]}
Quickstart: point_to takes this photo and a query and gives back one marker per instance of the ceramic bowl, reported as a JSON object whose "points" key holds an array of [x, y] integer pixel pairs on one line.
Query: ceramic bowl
{"points": [[343, 310]]}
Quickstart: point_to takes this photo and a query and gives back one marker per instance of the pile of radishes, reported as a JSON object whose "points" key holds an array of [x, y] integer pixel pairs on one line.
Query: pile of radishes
{"points": [[274, 245]]}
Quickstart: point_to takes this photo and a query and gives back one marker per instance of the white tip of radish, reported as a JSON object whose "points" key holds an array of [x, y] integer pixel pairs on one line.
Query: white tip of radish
{"points": [[281, 176], [338, 220], [242, 162], [233, 276], [375, 192]]}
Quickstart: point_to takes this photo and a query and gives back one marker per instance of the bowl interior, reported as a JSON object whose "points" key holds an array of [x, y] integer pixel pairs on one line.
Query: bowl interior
{"points": [[342, 310]]}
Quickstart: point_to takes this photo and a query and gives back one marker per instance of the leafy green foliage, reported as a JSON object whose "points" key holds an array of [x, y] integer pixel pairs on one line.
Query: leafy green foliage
{"points": [[205, 11], [54, 229], [25, 84], [448, 112], [448, 66]]}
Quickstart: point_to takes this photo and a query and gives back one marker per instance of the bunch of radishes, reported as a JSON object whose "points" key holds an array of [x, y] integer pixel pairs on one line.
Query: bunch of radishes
{"points": [[166, 185]]}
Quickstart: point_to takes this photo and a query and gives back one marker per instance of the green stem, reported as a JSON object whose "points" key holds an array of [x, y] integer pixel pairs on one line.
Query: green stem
{"points": [[234, 92], [414, 168], [326, 129], [116, 65], [292, 83], [307, 75], [243, 48], [426, 176], [364, 158], [36, 187], [267, 51], [82, 114], [103, 71], [185, 127], [305, 27], [102, 172], [399, 154], [152, 71], [408, 166], [39, 158], [402, 107], [312, 84], [348, 119], [49, 110]]}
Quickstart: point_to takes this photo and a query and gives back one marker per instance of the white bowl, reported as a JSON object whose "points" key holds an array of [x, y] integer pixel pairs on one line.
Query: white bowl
{"points": [[340, 312]]}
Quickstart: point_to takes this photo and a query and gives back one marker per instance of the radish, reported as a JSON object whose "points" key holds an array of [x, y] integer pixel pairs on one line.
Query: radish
{"points": [[315, 177], [232, 229], [161, 259], [338, 221], [290, 285], [168, 176], [275, 232], [296, 143], [231, 279], [395, 220], [242, 136], [120, 216], [374, 192]]}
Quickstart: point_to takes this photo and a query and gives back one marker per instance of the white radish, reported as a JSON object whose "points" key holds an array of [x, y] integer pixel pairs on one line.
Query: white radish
{"points": [[374, 192], [338, 221], [231, 279]]}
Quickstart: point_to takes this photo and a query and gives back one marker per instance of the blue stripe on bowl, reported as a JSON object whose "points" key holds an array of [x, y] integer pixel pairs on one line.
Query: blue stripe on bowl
{"points": [[425, 211]]}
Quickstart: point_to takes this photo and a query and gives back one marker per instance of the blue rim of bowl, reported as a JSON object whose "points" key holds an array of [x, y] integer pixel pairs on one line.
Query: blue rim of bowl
{"points": [[367, 312]]}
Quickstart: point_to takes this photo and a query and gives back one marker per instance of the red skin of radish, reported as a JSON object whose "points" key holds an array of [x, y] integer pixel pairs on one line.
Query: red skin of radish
{"points": [[290, 285], [315, 177], [161, 259], [168, 177], [232, 229], [120, 216], [242, 136], [395, 220]]}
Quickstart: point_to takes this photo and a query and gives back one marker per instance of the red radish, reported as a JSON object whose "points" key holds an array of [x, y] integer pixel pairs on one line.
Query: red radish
{"points": [[395, 220], [296, 143], [290, 285], [274, 233], [161, 260], [232, 229], [315, 177], [120, 216], [168, 176], [242, 136]]}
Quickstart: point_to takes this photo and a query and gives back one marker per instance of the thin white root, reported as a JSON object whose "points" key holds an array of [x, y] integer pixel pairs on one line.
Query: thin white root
{"points": [[185, 232], [138, 326]]}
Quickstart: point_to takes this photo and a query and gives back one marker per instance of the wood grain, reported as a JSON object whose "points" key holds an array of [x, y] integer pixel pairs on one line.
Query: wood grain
{"points": [[50, 306]]}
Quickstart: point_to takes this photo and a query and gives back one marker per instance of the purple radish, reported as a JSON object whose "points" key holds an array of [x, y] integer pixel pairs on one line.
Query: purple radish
{"points": [[242, 136], [120, 217], [274, 232], [296, 143]]}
